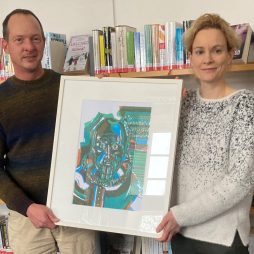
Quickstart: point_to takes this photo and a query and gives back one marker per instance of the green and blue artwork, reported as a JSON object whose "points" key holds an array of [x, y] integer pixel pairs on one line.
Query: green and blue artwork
{"points": [[112, 155]]}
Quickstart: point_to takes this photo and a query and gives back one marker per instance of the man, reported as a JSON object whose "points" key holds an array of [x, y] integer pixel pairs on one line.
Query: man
{"points": [[28, 104]]}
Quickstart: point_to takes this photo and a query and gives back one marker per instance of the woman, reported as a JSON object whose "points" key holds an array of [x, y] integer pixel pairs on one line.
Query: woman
{"points": [[213, 183]]}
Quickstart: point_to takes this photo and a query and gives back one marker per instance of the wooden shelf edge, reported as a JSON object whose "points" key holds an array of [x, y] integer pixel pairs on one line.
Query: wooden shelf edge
{"points": [[177, 72]]}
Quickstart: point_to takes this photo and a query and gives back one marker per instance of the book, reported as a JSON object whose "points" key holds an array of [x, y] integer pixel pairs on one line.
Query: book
{"points": [[251, 50], [54, 51], [107, 30], [102, 54], [121, 46], [142, 52], [114, 51], [179, 47], [186, 26], [162, 47], [137, 51], [91, 56], [155, 46], [96, 51], [244, 32], [170, 41], [77, 55], [148, 46], [130, 51]]}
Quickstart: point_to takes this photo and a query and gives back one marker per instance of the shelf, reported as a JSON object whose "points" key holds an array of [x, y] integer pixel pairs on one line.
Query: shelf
{"points": [[177, 72]]}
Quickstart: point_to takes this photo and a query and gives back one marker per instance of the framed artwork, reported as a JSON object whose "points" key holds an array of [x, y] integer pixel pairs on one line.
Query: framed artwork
{"points": [[113, 154]]}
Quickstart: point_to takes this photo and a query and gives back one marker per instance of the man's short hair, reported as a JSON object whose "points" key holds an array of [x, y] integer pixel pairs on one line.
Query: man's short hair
{"points": [[18, 11]]}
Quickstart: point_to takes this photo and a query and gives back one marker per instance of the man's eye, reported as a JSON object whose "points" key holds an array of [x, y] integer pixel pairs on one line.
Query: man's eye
{"points": [[18, 40], [37, 39]]}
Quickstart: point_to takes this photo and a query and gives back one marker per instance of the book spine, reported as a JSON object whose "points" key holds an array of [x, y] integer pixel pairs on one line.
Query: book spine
{"points": [[155, 46], [130, 50], [142, 52], [179, 47], [102, 54], [96, 51], [121, 49], [113, 51], [162, 47], [57, 37], [186, 59], [137, 51], [46, 59], [148, 44], [108, 48], [91, 56]]}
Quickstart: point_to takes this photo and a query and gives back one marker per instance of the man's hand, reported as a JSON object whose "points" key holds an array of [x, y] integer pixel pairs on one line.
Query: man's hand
{"points": [[41, 216], [169, 226]]}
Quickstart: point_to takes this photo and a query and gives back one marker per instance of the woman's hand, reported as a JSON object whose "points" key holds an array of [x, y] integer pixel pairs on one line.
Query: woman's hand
{"points": [[169, 226]]}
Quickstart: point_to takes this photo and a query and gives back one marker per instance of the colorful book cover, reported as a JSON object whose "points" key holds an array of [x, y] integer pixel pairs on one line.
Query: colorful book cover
{"points": [[77, 54]]}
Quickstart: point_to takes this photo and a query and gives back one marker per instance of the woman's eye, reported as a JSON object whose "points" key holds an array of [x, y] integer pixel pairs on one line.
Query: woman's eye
{"points": [[199, 52]]}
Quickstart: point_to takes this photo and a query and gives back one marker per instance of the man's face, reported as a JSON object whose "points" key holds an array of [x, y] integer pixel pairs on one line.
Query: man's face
{"points": [[25, 44]]}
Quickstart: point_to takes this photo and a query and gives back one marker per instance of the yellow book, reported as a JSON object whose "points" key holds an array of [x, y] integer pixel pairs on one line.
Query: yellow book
{"points": [[102, 52]]}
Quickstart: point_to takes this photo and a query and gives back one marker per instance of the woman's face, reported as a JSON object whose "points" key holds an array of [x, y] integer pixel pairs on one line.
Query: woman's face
{"points": [[210, 56]]}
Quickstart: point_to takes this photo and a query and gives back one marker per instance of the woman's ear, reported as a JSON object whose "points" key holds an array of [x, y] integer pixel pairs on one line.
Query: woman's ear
{"points": [[190, 58], [231, 55]]}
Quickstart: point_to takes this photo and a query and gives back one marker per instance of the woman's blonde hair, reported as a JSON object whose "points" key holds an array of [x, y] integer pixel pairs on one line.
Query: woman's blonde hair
{"points": [[207, 21]]}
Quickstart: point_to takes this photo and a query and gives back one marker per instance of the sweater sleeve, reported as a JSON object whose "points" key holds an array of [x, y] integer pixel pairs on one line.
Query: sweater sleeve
{"points": [[10, 192], [238, 181]]}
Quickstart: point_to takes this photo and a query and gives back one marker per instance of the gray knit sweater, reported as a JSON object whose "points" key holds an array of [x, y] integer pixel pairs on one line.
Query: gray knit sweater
{"points": [[214, 173]]}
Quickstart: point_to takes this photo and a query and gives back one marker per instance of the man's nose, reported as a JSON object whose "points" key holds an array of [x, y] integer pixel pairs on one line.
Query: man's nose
{"points": [[28, 44]]}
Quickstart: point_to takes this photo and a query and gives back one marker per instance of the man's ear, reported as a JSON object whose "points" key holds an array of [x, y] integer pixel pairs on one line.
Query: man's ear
{"points": [[5, 46]]}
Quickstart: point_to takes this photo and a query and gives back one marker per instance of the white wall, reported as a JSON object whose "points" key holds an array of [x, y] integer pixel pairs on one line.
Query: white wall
{"points": [[81, 16], [64, 16], [139, 12]]}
